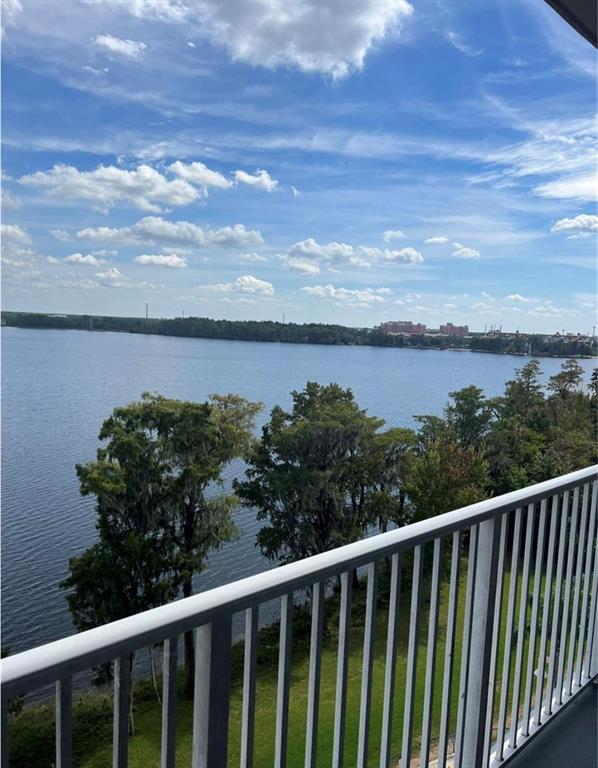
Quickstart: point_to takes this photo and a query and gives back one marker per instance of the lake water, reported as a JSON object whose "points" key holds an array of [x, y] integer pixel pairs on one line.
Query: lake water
{"points": [[58, 386]]}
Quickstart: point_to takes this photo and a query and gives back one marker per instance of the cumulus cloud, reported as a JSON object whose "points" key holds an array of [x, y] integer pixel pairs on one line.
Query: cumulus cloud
{"points": [[171, 260], [295, 192], [584, 223], [572, 188], [154, 230], [334, 253], [14, 233], [260, 180], [130, 49], [113, 278], [438, 240], [107, 185], [200, 175], [301, 266], [392, 234], [246, 284], [358, 297], [306, 35], [78, 258], [463, 252]]}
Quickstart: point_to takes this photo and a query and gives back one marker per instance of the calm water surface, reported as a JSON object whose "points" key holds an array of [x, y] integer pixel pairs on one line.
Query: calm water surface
{"points": [[58, 386]]}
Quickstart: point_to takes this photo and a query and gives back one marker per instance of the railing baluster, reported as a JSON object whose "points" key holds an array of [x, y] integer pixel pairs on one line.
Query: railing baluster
{"points": [[508, 642], [574, 634], [284, 680], [344, 632], [391, 652], [480, 654], [431, 653], [591, 641], [521, 625], [567, 597], [587, 580], [449, 650], [249, 682], [557, 603], [120, 732], [465, 647], [554, 515], [315, 666], [211, 694], [412, 658], [500, 579], [64, 723], [169, 697], [531, 653], [368, 664]]}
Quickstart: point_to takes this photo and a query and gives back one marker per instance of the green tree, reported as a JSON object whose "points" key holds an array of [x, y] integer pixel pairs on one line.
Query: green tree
{"points": [[320, 474], [159, 514]]}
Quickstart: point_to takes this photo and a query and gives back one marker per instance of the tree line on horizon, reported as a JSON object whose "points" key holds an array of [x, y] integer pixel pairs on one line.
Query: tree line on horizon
{"points": [[305, 333], [321, 474]]}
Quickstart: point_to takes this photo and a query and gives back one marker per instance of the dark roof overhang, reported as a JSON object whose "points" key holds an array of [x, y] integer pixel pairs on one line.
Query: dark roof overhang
{"points": [[581, 15]]}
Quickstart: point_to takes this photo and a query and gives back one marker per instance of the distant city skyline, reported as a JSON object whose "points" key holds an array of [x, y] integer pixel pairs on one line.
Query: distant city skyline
{"points": [[425, 160]]}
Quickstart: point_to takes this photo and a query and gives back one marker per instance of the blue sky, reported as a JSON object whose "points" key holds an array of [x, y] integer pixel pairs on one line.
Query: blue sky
{"points": [[333, 161]]}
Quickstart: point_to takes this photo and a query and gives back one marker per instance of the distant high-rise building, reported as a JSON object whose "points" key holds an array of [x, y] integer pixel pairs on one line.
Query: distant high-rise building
{"points": [[454, 330], [403, 326]]}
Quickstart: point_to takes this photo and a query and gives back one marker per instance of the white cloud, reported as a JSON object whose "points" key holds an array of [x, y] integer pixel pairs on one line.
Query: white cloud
{"points": [[253, 258], [10, 201], [260, 180], [310, 36], [334, 253], [549, 310], [52, 260], [14, 233], [295, 192], [439, 240], [392, 234], [61, 234], [576, 188], [457, 42], [358, 297], [108, 185], [584, 223], [153, 230], [517, 297], [131, 49], [113, 278], [245, 284], [301, 266], [171, 260], [405, 255], [79, 258], [172, 11], [463, 252], [200, 175], [11, 11]]}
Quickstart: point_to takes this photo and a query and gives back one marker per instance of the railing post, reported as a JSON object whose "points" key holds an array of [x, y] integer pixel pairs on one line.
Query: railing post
{"points": [[480, 646], [211, 695]]}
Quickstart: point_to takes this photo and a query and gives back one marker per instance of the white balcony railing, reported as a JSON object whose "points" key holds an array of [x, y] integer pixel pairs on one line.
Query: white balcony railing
{"points": [[529, 639]]}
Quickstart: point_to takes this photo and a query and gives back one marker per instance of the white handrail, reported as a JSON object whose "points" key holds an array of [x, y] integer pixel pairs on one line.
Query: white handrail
{"points": [[62, 658]]}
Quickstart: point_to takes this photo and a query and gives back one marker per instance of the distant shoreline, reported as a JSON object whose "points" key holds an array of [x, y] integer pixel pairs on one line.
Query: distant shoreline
{"points": [[522, 345]]}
